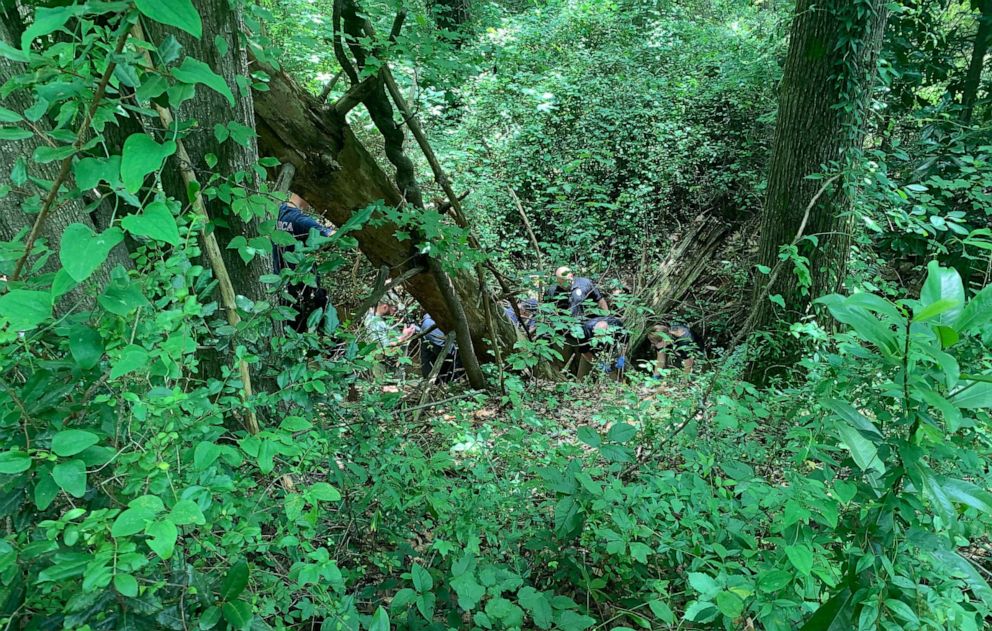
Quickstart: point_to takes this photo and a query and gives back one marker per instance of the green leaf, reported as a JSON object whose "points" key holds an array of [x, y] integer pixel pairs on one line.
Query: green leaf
{"points": [[977, 312], [857, 420], [14, 133], [71, 477], [82, 251], [25, 309], [70, 442], [863, 451], [324, 492], [704, 584], [538, 605], [966, 493], [402, 599], [662, 611], [210, 618], [902, 610], [935, 309], [572, 621], [235, 581], [126, 584], [943, 284], [155, 222], [621, 432], [422, 580], [773, 580], [380, 620], [45, 489], [205, 454], [801, 557], [237, 614], [141, 156], [187, 512], [195, 71], [86, 346], [178, 13], [91, 171], [163, 534], [132, 358], [730, 604], [833, 615], [845, 491], [14, 461], [131, 522], [48, 21], [973, 396], [9, 116]]}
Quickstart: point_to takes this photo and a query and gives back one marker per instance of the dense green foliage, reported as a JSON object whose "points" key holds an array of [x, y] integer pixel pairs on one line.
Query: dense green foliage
{"points": [[135, 494]]}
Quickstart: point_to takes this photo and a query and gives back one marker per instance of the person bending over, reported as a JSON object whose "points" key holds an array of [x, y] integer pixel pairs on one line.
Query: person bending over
{"points": [[675, 346], [606, 338], [294, 219], [431, 346], [574, 294]]}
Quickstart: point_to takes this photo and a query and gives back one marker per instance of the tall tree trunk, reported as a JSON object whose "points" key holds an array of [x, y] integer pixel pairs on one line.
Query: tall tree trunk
{"points": [[222, 20], [338, 177], [973, 80], [823, 99], [13, 219]]}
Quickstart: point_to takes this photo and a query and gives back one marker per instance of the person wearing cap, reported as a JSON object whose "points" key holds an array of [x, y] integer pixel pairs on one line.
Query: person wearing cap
{"points": [[527, 308], [307, 299], [675, 346]]}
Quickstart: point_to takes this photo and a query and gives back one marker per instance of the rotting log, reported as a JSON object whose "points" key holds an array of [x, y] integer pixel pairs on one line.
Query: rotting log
{"points": [[675, 276], [338, 177]]}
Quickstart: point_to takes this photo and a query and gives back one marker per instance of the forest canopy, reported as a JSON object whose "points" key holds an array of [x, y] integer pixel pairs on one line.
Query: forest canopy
{"points": [[490, 314]]}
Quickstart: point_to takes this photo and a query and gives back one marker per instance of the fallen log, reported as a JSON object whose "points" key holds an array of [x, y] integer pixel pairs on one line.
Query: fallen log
{"points": [[338, 177], [675, 276]]}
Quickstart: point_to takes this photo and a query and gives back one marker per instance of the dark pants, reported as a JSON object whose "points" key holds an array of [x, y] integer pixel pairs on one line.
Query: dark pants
{"points": [[429, 355], [306, 300]]}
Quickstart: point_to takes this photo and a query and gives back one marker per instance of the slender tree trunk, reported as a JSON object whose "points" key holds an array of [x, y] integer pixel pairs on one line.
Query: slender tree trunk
{"points": [[222, 21], [13, 219], [822, 106], [973, 80]]}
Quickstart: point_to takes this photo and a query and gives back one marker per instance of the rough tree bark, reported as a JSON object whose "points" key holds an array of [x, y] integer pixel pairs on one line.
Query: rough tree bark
{"points": [[221, 19], [12, 218], [973, 80], [338, 177], [813, 131]]}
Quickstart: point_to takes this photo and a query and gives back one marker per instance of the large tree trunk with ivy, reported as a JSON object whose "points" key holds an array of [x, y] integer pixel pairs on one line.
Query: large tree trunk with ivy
{"points": [[223, 48], [20, 172], [336, 175], [823, 100], [973, 80]]}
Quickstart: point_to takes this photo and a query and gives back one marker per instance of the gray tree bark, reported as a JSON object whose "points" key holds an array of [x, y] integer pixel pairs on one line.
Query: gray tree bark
{"points": [[13, 219], [812, 131], [221, 19]]}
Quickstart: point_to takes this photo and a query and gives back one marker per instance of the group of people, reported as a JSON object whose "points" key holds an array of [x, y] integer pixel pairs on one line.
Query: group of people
{"points": [[592, 334], [602, 336]]}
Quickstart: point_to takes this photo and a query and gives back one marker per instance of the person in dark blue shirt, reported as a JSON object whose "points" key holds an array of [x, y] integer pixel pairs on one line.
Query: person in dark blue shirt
{"points": [[431, 346], [574, 294], [293, 219], [527, 310]]}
